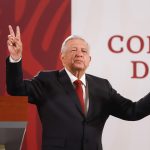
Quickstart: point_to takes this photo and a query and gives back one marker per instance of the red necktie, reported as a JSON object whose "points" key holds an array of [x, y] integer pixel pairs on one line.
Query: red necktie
{"points": [[79, 92]]}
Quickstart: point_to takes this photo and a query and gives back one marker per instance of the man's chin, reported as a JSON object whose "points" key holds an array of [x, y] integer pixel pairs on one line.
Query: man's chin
{"points": [[79, 67]]}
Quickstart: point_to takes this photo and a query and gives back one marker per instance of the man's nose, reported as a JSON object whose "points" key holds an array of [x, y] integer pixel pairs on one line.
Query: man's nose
{"points": [[79, 53]]}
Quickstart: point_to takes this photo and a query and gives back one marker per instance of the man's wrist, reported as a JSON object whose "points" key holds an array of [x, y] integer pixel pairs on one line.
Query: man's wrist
{"points": [[14, 61]]}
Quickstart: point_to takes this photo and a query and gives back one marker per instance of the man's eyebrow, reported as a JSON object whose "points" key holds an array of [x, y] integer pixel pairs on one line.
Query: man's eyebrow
{"points": [[73, 47]]}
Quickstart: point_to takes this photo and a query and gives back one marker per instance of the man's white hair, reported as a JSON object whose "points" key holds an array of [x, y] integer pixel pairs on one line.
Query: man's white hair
{"points": [[71, 37]]}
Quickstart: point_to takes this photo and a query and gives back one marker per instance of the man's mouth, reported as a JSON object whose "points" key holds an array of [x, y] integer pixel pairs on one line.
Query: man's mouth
{"points": [[78, 60]]}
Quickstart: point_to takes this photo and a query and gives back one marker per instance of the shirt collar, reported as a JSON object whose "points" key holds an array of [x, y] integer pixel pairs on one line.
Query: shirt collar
{"points": [[73, 78]]}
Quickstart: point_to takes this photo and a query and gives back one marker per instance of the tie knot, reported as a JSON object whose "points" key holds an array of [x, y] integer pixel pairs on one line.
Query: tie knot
{"points": [[78, 82]]}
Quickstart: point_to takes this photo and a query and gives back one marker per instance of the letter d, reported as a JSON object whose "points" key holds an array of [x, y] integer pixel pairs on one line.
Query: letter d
{"points": [[137, 67]]}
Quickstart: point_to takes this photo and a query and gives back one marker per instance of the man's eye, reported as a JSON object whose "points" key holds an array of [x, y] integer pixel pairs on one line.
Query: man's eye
{"points": [[73, 50], [84, 51]]}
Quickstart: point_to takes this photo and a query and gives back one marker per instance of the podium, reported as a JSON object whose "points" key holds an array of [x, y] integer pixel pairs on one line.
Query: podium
{"points": [[13, 121]]}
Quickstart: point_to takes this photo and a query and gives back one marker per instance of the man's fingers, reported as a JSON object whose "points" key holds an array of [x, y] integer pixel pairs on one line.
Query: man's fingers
{"points": [[11, 38], [14, 42], [12, 34], [18, 32], [11, 31], [9, 43]]}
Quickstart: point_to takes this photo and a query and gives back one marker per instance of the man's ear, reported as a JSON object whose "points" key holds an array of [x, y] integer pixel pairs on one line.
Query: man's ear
{"points": [[90, 58], [61, 56]]}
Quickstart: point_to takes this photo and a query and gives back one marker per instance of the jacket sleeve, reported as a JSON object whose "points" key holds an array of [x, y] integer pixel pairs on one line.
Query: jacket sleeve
{"points": [[126, 109], [16, 86]]}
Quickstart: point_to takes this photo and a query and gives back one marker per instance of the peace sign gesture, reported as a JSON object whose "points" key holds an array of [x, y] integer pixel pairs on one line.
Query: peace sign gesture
{"points": [[14, 43]]}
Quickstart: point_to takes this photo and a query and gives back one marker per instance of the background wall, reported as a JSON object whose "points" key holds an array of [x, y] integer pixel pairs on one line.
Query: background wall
{"points": [[98, 21], [44, 25]]}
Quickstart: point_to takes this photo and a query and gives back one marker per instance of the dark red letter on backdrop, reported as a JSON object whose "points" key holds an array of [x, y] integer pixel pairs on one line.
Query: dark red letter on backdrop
{"points": [[110, 44], [141, 66]]}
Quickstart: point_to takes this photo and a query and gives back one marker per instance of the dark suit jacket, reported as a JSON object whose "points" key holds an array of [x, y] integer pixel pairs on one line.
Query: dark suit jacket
{"points": [[64, 125]]}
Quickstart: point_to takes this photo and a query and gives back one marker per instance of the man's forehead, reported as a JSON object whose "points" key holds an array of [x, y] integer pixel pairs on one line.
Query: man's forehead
{"points": [[74, 42]]}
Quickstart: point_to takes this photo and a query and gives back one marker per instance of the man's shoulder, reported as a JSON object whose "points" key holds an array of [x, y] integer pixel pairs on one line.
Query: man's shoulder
{"points": [[47, 73], [97, 81], [90, 76]]}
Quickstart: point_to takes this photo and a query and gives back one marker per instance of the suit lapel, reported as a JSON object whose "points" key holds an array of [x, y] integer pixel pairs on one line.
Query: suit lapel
{"points": [[92, 98], [68, 87]]}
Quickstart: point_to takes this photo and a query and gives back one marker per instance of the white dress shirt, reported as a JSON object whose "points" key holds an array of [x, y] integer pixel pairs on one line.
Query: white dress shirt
{"points": [[14, 61]]}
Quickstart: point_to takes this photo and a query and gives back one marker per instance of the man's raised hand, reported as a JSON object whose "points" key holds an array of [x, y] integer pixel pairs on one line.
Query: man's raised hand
{"points": [[14, 43]]}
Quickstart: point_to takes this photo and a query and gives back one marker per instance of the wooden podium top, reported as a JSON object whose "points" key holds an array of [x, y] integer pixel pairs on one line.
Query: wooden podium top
{"points": [[13, 108]]}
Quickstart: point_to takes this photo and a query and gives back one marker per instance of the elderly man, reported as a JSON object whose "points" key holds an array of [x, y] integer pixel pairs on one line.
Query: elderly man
{"points": [[73, 106]]}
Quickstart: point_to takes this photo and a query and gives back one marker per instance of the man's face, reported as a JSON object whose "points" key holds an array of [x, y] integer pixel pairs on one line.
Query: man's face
{"points": [[76, 55]]}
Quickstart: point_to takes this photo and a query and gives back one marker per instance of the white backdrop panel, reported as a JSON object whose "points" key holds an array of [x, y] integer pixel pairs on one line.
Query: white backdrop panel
{"points": [[97, 21]]}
